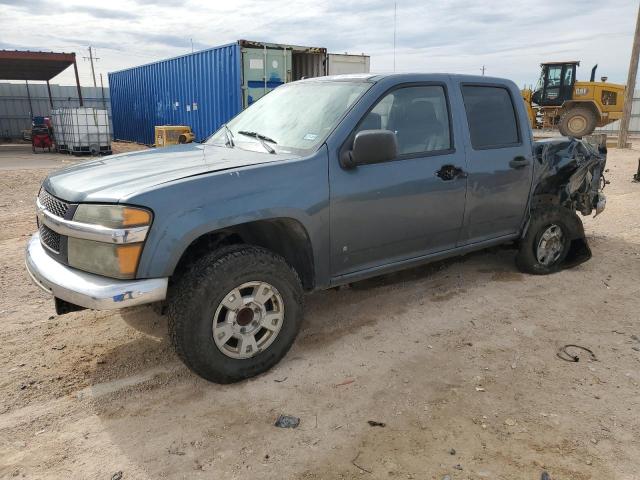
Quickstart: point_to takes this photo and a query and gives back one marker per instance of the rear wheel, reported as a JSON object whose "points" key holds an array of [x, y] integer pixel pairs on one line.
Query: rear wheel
{"points": [[235, 313], [577, 122], [546, 244]]}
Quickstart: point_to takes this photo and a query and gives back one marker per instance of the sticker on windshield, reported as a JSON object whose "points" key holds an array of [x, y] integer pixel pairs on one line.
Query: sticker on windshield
{"points": [[310, 136]]}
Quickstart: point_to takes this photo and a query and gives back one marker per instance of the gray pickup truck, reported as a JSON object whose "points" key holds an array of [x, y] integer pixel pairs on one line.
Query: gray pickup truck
{"points": [[322, 182]]}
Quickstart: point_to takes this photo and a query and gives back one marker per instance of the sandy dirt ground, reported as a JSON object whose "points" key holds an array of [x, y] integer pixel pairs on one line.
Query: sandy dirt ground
{"points": [[19, 156], [457, 359]]}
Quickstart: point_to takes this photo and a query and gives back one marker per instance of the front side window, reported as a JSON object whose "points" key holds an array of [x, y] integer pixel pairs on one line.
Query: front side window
{"points": [[294, 118], [554, 76], [568, 76], [491, 116], [418, 115]]}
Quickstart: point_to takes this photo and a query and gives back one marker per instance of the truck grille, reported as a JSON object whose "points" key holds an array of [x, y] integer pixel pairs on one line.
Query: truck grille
{"points": [[52, 204], [50, 238]]}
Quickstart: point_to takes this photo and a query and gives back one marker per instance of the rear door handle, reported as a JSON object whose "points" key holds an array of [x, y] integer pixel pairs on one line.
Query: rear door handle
{"points": [[519, 162], [451, 172]]}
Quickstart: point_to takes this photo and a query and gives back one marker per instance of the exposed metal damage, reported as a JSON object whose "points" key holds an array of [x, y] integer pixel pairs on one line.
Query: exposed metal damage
{"points": [[569, 173]]}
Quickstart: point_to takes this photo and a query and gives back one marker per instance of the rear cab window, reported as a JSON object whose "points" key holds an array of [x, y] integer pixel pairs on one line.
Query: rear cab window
{"points": [[491, 116]]}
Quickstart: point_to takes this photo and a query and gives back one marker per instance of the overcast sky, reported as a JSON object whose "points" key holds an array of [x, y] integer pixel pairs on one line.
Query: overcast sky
{"points": [[509, 37]]}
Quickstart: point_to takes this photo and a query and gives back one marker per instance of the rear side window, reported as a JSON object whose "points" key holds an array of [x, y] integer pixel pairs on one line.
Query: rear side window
{"points": [[491, 116]]}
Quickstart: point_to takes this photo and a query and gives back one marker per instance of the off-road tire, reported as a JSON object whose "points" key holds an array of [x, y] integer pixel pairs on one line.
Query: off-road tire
{"points": [[541, 219], [586, 114], [196, 295]]}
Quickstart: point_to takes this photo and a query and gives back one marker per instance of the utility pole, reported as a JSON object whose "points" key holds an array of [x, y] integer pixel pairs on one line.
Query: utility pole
{"points": [[631, 87], [483, 69], [91, 58]]}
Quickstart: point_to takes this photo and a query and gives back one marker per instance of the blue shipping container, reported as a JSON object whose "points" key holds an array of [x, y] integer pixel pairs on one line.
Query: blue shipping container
{"points": [[203, 89]]}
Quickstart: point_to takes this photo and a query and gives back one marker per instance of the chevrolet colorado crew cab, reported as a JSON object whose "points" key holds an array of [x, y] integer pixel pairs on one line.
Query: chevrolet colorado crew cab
{"points": [[322, 182]]}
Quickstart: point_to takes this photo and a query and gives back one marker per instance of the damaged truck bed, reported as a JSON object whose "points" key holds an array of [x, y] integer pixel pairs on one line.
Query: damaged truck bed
{"points": [[569, 176], [570, 172]]}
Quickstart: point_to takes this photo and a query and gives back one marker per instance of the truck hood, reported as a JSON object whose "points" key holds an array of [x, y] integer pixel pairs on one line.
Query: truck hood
{"points": [[112, 178]]}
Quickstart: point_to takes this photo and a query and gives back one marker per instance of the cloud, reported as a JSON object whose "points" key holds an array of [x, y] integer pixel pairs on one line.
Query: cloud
{"points": [[10, 46], [49, 7], [459, 36], [170, 3], [168, 40], [98, 12], [22, 3]]}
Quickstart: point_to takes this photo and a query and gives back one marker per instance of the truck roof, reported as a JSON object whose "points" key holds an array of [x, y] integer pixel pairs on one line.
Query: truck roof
{"points": [[412, 77]]}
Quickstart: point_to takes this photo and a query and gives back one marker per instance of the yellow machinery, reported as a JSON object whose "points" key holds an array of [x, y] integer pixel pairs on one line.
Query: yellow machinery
{"points": [[575, 108], [173, 135]]}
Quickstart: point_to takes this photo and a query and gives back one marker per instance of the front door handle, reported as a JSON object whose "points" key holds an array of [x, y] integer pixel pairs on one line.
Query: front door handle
{"points": [[450, 172], [519, 162]]}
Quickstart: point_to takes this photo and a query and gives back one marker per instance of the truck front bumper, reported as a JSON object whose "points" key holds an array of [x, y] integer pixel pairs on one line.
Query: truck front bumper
{"points": [[86, 289]]}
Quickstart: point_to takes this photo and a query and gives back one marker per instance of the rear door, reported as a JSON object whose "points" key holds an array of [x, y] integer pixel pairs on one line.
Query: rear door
{"points": [[499, 162]]}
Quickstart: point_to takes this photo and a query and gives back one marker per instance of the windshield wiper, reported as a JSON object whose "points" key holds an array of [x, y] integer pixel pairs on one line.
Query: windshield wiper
{"points": [[229, 136], [262, 138]]}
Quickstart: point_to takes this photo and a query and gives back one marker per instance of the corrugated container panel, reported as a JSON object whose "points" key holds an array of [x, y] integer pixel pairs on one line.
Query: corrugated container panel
{"points": [[14, 103], [201, 90], [338, 63], [308, 65]]}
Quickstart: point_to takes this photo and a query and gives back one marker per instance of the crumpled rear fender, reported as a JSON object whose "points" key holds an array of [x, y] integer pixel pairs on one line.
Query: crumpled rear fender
{"points": [[569, 173]]}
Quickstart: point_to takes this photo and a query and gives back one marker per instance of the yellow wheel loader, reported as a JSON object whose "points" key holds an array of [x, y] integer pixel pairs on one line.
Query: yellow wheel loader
{"points": [[575, 108]]}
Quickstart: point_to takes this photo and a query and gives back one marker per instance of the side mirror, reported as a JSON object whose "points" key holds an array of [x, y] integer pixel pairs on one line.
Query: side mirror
{"points": [[371, 146]]}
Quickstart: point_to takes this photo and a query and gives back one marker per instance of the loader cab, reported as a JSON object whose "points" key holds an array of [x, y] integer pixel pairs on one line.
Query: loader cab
{"points": [[555, 85]]}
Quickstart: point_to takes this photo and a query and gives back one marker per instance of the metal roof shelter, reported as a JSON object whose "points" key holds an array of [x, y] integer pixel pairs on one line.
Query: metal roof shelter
{"points": [[43, 66]]}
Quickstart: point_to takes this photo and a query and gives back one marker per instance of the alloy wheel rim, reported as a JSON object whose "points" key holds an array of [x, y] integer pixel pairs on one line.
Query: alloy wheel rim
{"points": [[550, 245], [248, 319]]}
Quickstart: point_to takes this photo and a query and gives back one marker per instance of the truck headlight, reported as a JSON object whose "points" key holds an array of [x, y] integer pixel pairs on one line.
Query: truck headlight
{"points": [[112, 216], [116, 260]]}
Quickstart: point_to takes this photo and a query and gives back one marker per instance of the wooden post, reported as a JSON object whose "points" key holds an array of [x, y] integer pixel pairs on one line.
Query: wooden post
{"points": [[75, 69], [623, 134], [50, 97], [104, 102], [26, 82]]}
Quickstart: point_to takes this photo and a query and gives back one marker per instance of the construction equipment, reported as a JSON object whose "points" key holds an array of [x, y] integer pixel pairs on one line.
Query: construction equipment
{"points": [[575, 108], [166, 135]]}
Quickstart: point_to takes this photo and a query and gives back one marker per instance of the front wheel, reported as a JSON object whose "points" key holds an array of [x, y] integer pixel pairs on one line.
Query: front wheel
{"points": [[577, 122], [235, 313], [547, 241]]}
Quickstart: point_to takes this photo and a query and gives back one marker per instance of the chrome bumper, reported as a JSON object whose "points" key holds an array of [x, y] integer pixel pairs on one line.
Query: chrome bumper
{"points": [[86, 289]]}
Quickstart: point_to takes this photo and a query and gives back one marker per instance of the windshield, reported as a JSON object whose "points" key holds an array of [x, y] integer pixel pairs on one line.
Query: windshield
{"points": [[293, 118]]}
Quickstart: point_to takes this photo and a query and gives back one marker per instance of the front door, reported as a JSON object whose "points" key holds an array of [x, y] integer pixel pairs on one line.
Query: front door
{"points": [[408, 207], [499, 160]]}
